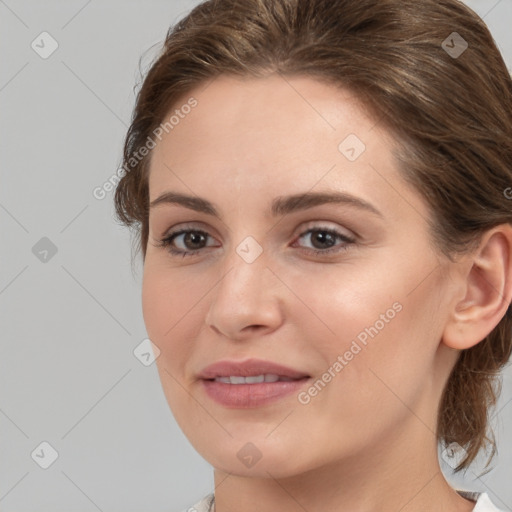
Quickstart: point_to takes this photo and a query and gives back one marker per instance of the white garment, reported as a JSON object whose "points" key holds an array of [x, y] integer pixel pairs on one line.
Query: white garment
{"points": [[202, 506], [483, 503]]}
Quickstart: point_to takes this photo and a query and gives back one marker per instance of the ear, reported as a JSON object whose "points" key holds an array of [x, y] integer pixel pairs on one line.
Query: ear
{"points": [[486, 288]]}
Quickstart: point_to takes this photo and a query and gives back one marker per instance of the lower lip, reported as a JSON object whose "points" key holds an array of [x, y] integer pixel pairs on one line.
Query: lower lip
{"points": [[246, 396]]}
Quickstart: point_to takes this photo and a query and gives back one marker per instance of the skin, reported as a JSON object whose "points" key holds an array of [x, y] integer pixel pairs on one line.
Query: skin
{"points": [[366, 442]]}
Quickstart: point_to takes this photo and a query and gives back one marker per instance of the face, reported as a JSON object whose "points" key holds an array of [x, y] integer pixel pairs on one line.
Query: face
{"points": [[347, 292]]}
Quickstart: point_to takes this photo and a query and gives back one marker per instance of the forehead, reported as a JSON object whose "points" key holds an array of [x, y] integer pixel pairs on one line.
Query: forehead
{"points": [[269, 103], [247, 141], [267, 121]]}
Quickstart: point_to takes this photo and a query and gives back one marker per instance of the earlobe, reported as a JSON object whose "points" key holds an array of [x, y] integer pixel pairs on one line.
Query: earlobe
{"points": [[488, 290]]}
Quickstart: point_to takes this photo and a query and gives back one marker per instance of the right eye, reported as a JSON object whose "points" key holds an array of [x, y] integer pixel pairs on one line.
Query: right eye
{"points": [[189, 239]]}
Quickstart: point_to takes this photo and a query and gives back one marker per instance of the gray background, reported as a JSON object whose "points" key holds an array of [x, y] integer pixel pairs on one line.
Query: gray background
{"points": [[70, 324]]}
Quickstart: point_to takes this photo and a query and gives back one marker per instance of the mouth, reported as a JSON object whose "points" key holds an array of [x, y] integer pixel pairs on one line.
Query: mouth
{"points": [[259, 369], [255, 379], [250, 383]]}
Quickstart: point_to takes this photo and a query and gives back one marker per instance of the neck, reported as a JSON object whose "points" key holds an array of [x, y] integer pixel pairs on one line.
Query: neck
{"points": [[386, 478]]}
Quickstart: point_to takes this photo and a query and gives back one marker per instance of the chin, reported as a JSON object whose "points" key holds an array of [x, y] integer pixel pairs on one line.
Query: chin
{"points": [[258, 459]]}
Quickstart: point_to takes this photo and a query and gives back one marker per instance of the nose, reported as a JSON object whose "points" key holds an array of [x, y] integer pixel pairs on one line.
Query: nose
{"points": [[246, 301]]}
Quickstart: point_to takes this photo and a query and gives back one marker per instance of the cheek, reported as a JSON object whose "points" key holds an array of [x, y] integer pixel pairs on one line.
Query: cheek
{"points": [[166, 299], [385, 333], [154, 300], [170, 308], [347, 302], [173, 312]]}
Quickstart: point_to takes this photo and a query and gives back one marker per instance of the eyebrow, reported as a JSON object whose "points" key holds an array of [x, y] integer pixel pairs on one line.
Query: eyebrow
{"points": [[282, 205]]}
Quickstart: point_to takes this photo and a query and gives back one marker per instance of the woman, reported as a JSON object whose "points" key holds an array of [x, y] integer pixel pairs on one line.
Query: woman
{"points": [[321, 192]]}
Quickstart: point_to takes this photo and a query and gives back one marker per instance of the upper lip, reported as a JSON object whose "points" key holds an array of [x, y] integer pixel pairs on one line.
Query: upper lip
{"points": [[247, 368]]}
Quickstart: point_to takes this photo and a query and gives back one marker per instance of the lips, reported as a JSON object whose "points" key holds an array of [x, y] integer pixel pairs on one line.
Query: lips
{"points": [[250, 383], [250, 368]]}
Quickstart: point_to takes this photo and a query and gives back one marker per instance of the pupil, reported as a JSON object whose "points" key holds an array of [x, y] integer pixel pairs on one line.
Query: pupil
{"points": [[194, 238], [322, 236]]}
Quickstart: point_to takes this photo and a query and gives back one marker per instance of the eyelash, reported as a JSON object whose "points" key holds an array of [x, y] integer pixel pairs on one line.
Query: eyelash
{"points": [[167, 241]]}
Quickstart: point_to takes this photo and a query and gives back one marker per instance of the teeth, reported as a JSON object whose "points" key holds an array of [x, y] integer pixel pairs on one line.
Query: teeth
{"points": [[223, 379], [237, 380], [253, 379]]}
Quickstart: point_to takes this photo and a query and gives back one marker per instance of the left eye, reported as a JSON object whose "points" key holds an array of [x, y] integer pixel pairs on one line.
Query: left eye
{"points": [[323, 238], [326, 236]]}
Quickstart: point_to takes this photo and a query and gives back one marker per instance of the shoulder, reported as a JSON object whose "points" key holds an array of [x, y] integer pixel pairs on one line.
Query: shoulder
{"points": [[483, 502], [202, 505]]}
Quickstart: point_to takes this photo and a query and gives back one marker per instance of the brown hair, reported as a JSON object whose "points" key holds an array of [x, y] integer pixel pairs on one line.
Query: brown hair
{"points": [[451, 112]]}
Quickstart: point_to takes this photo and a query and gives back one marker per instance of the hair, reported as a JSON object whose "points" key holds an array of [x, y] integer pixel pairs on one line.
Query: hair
{"points": [[451, 115]]}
